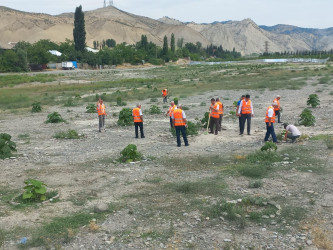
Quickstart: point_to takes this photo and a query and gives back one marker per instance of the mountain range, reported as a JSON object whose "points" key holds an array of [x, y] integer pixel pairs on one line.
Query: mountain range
{"points": [[109, 22]]}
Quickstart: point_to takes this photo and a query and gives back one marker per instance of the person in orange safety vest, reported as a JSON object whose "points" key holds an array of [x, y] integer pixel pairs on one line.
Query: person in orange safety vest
{"points": [[138, 121], [245, 111], [214, 117], [165, 95], [221, 112], [180, 124], [170, 111], [270, 120], [277, 108], [100, 107]]}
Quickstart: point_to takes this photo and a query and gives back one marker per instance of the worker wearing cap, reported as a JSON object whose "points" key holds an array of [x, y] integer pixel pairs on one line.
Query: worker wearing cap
{"points": [[170, 111], [138, 121], [180, 124], [100, 107], [221, 112], [245, 111], [165, 95], [270, 120], [277, 108]]}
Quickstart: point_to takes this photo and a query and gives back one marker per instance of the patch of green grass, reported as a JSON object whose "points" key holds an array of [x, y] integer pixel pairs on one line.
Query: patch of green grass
{"points": [[255, 184], [154, 180], [293, 215], [70, 134], [13, 80]]}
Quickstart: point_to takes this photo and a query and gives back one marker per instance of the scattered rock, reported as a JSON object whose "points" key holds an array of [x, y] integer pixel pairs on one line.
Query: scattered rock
{"points": [[101, 208]]}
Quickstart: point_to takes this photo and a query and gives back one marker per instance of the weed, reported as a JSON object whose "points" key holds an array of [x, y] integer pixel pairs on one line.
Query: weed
{"points": [[154, 110], [91, 108], [293, 214], [70, 134], [306, 118], [176, 100], [36, 107], [329, 142], [154, 99], [154, 180], [125, 117], [204, 120], [191, 130], [269, 147], [34, 190], [313, 100], [324, 80], [202, 104], [255, 184], [6, 146], [130, 153], [54, 117], [120, 102], [71, 102]]}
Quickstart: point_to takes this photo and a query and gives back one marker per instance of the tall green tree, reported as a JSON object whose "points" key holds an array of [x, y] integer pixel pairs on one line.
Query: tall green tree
{"points": [[79, 31], [165, 46], [173, 43]]}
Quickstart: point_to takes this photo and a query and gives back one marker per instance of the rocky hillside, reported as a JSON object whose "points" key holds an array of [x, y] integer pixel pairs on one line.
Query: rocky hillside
{"points": [[245, 36]]}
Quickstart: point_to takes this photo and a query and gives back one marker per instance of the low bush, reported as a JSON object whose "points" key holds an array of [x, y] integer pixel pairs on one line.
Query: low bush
{"points": [[269, 147], [120, 102], [6, 146], [36, 107], [54, 117], [255, 184], [34, 190], [70, 134], [154, 99], [307, 118], [154, 110], [313, 100], [176, 100], [71, 102], [130, 153], [125, 117], [204, 120], [191, 130], [91, 108]]}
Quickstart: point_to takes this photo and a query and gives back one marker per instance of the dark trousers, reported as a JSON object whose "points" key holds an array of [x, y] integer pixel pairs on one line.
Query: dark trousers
{"points": [[181, 129], [171, 122], [101, 119], [293, 138], [243, 118], [214, 122], [270, 131], [239, 122], [165, 99], [220, 122], [277, 114], [137, 126]]}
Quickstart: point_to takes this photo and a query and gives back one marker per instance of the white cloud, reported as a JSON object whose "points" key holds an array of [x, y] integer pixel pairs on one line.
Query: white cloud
{"points": [[304, 13]]}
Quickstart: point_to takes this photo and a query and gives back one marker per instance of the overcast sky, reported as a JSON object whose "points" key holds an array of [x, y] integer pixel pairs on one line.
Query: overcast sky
{"points": [[303, 13]]}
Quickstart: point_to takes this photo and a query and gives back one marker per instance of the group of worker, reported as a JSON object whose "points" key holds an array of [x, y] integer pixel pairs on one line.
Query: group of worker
{"points": [[178, 120]]}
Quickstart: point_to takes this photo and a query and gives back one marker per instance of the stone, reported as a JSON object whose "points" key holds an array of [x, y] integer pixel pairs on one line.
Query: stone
{"points": [[101, 208], [227, 240], [309, 242], [293, 240]]}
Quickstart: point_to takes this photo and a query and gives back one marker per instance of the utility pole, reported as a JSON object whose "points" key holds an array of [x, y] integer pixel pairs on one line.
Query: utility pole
{"points": [[104, 4]]}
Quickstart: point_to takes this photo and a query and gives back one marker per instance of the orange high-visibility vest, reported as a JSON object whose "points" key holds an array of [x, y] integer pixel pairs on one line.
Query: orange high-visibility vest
{"points": [[214, 114], [271, 118], [101, 109], [164, 92], [246, 107], [136, 115], [221, 111], [278, 104], [178, 117], [172, 109]]}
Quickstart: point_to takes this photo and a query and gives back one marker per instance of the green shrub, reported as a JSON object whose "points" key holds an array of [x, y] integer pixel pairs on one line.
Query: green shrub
{"points": [[70, 134], [154, 110], [129, 154], [313, 100], [204, 120], [71, 102], [192, 129], [34, 190], [6, 146], [54, 117], [202, 104], [176, 100], [280, 136], [91, 108], [120, 102], [36, 107], [307, 118], [269, 147], [125, 117], [255, 184], [235, 103]]}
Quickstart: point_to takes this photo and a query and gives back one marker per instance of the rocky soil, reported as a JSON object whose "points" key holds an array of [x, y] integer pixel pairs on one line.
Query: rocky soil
{"points": [[77, 170]]}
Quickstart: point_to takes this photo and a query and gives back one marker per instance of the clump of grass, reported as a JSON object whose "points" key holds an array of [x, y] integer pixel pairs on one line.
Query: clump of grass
{"points": [[70, 134], [36, 107], [154, 110], [130, 153], [255, 184], [154, 99], [91, 108], [54, 117], [329, 141]]}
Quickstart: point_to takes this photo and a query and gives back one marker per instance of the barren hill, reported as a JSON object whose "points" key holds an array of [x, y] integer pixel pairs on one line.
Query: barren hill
{"points": [[105, 23]]}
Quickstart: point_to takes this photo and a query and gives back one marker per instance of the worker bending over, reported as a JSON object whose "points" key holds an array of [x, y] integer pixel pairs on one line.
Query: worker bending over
{"points": [[292, 132]]}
